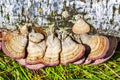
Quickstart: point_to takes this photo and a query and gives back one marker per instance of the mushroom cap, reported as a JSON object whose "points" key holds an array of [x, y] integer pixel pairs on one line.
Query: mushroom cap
{"points": [[71, 51], [39, 30], [35, 52], [36, 46], [13, 44], [113, 45], [24, 29], [80, 27], [36, 37], [51, 56], [99, 46]]}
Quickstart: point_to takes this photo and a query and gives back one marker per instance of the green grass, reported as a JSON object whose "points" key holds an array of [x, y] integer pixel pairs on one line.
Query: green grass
{"points": [[11, 70]]}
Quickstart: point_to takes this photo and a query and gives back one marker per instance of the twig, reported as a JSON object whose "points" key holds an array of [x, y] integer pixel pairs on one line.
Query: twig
{"points": [[112, 70]]}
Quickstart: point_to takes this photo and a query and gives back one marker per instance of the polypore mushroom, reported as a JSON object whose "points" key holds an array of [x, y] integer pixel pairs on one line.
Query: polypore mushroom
{"points": [[14, 43], [81, 61], [36, 37], [71, 51], [80, 27], [51, 57], [35, 52], [99, 45], [30, 66], [113, 45], [36, 46]]}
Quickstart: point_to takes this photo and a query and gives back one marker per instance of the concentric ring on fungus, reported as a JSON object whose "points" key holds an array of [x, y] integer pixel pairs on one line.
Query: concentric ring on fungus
{"points": [[99, 46], [112, 47], [71, 51], [14, 43], [51, 56], [100, 49], [36, 49], [35, 52], [36, 46]]}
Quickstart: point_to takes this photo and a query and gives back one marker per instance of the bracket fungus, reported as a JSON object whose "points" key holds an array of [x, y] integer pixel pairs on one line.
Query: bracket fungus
{"points": [[99, 46], [14, 43], [35, 52], [80, 27], [112, 47], [51, 56], [71, 51], [35, 48]]}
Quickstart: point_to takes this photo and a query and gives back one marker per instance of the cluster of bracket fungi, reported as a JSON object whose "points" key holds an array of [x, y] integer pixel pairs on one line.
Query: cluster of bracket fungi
{"points": [[35, 48]]}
